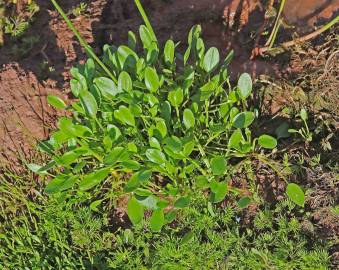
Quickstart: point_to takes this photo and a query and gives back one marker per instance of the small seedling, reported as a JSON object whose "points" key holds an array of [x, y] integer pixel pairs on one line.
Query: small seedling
{"points": [[79, 9], [16, 25], [304, 131]]}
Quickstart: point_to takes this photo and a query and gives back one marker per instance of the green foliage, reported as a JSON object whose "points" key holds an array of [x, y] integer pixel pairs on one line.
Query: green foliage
{"points": [[304, 131], [56, 102], [39, 232], [200, 241], [152, 141], [176, 119], [267, 141], [79, 9], [296, 194]]}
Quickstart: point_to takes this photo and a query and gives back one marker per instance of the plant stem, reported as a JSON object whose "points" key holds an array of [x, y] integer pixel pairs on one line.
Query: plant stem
{"points": [[275, 34], [270, 164], [83, 43], [203, 154], [145, 18], [276, 26], [206, 112], [197, 166], [304, 38]]}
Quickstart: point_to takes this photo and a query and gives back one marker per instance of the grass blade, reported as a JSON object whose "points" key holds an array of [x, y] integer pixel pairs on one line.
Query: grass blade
{"points": [[83, 43]]}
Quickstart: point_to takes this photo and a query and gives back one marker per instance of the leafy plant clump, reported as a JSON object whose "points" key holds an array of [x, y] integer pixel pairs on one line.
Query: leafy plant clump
{"points": [[154, 124]]}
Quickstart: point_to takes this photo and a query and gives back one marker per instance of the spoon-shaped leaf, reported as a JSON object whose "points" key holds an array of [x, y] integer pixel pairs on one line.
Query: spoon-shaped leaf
{"points": [[60, 183], [93, 179], [188, 119], [124, 82], [107, 87], [296, 194], [218, 165], [244, 202], [135, 211], [219, 192], [267, 141], [157, 220], [125, 116], [89, 104], [211, 59], [245, 86], [176, 97], [169, 51], [243, 119], [156, 156], [182, 202], [56, 102], [151, 79]]}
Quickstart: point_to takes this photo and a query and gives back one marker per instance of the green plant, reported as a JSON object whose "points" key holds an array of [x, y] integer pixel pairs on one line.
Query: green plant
{"points": [[277, 24], [16, 25], [56, 232], [273, 240], [39, 232], [304, 131], [158, 125], [79, 9]]}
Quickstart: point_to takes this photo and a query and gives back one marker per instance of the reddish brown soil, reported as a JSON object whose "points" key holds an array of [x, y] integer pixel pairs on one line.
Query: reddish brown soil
{"points": [[310, 11], [24, 114], [25, 80]]}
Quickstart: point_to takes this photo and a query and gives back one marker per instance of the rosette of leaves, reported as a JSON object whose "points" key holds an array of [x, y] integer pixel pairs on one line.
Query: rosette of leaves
{"points": [[161, 125]]}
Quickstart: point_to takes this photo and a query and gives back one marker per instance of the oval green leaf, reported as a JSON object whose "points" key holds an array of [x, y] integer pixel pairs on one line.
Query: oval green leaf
{"points": [[124, 82], [218, 165], [93, 179], [131, 165], [60, 183], [303, 114], [107, 87], [244, 202], [245, 86], [89, 104], [267, 141], [169, 51], [132, 40], [188, 119], [156, 156], [243, 119], [182, 202], [219, 192], [235, 139], [296, 194], [135, 211], [125, 116], [157, 220], [56, 102], [114, 156], [176, 97], [151, 79], [211, 59], [145, 36]]}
